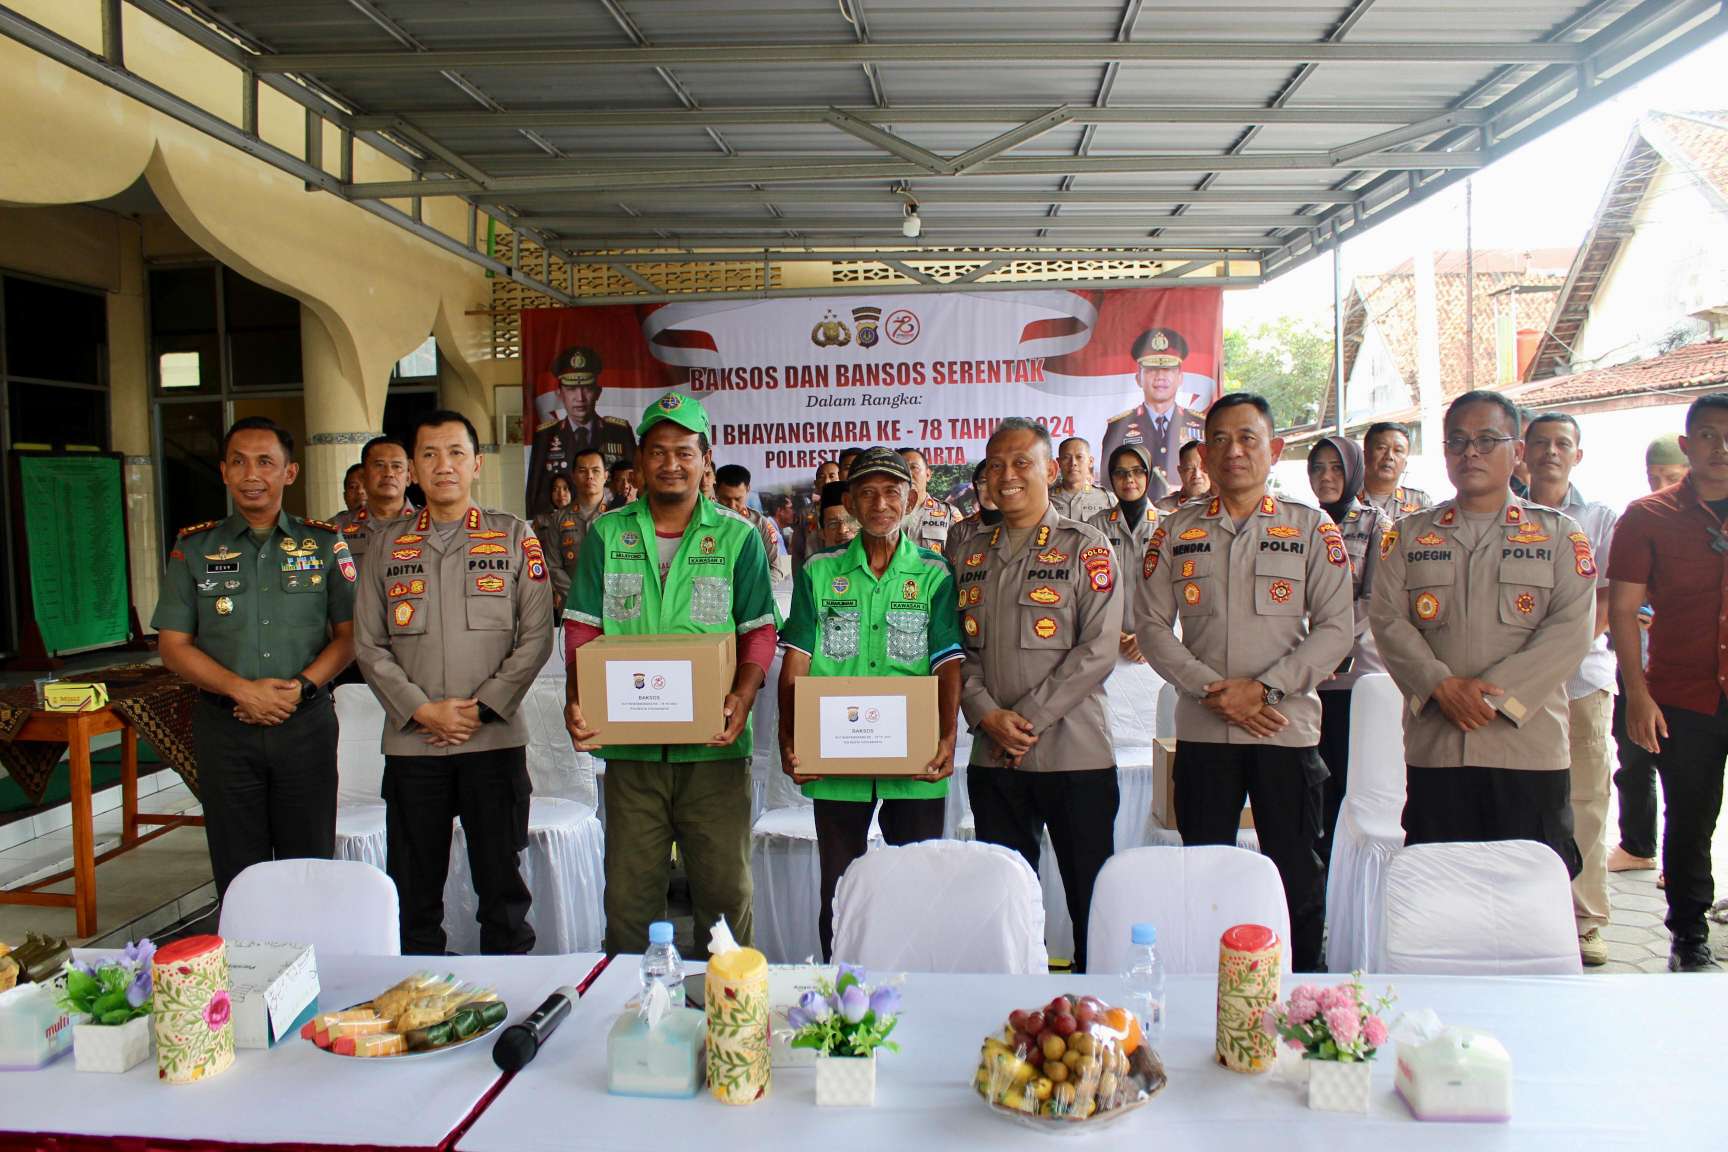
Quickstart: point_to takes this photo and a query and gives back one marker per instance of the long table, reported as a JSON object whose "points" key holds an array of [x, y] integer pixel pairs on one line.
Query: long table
{"points": [[1598, 1062], [295, 1094]]}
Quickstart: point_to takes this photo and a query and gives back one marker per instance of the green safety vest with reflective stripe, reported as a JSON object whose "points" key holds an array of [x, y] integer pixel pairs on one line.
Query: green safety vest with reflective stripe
{"points": [[718, 582], [852, 622]]}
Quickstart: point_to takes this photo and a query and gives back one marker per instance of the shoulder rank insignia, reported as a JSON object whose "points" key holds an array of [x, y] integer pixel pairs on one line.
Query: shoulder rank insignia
{"points": [[324, 524], [204, 527]]}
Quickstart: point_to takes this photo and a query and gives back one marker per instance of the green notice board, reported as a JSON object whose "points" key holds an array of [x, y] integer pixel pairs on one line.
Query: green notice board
{"points": [[74, 530]]}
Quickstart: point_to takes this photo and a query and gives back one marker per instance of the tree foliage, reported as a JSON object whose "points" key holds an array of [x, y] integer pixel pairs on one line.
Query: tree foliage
{"points": [[1288, 361]]}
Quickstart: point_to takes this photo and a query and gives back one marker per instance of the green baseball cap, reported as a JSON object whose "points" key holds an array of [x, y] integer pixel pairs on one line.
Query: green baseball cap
{"points": [[681, 410]]}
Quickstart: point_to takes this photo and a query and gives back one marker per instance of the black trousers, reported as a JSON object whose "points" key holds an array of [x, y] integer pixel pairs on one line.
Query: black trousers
{"points": [[1691, 765], [1635, 781], [269, 792], [1287, 788], [1334, 749], [1012, 808], [1450, 805], [488, 792], [843, 835]]}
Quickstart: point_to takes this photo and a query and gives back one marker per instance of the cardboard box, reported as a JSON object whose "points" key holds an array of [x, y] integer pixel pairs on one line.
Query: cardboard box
{"points": [[656, 689], [1164, 786], [273, 988], [74, 696], [863, 715]]}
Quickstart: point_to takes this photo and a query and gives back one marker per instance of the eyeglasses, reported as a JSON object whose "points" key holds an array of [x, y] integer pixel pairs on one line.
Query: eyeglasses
{"points": [[1484, 444], [1127, 473]]}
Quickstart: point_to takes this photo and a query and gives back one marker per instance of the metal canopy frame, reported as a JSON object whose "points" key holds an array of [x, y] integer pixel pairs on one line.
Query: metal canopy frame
{"points": [[998, 185]]}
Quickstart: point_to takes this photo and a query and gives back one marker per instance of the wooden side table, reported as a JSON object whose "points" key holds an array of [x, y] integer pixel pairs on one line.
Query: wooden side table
{"points": [[76, 730]]}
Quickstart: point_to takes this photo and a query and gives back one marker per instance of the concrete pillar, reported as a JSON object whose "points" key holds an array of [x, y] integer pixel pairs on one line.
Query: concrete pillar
{"points": [[338, 418], [129, 425], [1430, 391]]}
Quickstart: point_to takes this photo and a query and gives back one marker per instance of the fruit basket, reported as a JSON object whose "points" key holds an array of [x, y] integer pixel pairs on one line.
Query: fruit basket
{"points": [[1075, 1064]]}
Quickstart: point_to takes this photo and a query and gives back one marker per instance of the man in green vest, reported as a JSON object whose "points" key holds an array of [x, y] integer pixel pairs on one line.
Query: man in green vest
{"points": [[671, 562], [881, 606]]}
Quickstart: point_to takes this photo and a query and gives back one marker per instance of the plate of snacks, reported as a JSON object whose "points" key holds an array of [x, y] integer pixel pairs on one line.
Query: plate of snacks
{"points": [[424, 1015], [1072, 1065]]}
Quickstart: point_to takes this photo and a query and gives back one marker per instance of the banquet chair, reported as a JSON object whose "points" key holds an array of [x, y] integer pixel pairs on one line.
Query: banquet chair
{"points": [[1164, 716], [941, 906], [1192, 895], [340, 907], [360, 776], [1492, 909], [564, 863], [1370, 825], [786, 874]]}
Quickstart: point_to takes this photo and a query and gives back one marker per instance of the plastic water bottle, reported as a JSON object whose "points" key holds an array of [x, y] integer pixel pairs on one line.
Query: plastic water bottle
{"points": [[1143, 981], [661, 964]]}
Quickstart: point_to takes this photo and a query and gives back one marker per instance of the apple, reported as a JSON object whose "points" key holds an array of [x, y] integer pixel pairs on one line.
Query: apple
{"points": [[1085, 1013], [1024, 1043], [1061, 1006], [1034, 1022], [1017, 1021], [1064, 1025]]}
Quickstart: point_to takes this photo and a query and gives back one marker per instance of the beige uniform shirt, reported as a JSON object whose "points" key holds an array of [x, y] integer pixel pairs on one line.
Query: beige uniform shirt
{"points": [[1129, 541], [1081, 504], [1398, 503], [1363, 528], [360, 526], [779, 564], [1267, 601], [1510, 600], [929, 524], [439, 618], [961, 535], [1041, 630]]}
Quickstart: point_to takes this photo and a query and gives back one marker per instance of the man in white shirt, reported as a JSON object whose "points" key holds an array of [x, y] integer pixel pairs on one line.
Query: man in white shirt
{"points": [[1551, 448]]}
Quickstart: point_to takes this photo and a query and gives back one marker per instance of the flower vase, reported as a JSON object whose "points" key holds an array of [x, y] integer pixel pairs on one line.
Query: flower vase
{"points": [[110, 1047], [1339, 1085], [846, 1081]]}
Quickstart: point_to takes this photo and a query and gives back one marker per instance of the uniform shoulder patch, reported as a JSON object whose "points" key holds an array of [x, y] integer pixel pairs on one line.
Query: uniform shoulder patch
{"points": [[1123, 415], [324, 524], [618, 420], [193, 529]]}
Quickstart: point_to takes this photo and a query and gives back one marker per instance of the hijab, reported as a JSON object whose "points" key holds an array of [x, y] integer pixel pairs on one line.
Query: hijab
{"points": [[1350, 454]]}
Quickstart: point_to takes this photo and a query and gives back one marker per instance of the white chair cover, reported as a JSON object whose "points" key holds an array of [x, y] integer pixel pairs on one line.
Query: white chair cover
{"points": [[556, 769], [941, 906], [359, 776], [1370, 824], [340, 907], [765, 719], [787, 877], [1500, 909], [1165, 723], [564, 868], [1192, 895]]}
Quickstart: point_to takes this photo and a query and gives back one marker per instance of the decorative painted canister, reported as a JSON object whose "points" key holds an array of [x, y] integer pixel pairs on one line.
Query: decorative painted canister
{"points": [[737, 998], [1248, 972], [192, 1014]]}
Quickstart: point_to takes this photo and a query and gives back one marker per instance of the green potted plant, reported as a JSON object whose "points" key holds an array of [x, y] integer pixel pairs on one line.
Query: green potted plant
{"points": [[110, 1003], [846, 1022]]}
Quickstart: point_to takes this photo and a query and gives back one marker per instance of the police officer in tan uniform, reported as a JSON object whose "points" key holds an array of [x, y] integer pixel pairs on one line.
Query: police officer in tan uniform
{"points": [[453, 622], [1040, 618], [1076, 496], [1262, 589], [1483, 608], [384, 480], [930, 520], [1128, 526], [1191, 472], [1386, 446]]}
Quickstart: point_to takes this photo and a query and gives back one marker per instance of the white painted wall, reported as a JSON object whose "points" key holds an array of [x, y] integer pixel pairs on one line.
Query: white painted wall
{"points": [[1375, 384], [1669, 270]]}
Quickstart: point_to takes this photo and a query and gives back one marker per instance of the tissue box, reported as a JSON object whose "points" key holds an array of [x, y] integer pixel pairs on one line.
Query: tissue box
{"points": [[1458, 1075], [74, 696], [274, 990], [664, 1062], [33, 1029]]}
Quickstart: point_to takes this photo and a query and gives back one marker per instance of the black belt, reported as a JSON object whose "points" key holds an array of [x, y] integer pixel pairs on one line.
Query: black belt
{"points": [[228, 703]]}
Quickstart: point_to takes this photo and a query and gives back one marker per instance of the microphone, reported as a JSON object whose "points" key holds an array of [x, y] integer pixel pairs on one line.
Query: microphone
{"points": [[520, 1043]]}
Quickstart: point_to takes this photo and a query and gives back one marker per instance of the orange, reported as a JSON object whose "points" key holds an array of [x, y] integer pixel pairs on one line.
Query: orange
{"points": [[1122, 1022]]}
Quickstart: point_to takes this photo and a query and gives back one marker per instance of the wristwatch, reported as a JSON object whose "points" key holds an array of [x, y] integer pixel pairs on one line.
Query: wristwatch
{"points": [[307, 689], [1271, 696]]}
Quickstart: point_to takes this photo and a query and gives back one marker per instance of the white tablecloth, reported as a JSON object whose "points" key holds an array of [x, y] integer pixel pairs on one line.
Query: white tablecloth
{"points": [[294, 1093], [1598, 1062]]}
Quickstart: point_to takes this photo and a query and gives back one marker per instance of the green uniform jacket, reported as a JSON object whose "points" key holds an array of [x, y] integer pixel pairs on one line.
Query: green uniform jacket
{"points": [[718, 582], [852, 623], [258, 610]]}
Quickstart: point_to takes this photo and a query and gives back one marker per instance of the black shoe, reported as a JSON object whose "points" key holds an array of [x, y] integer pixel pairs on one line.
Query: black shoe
{"points": [[1693, 956]]}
